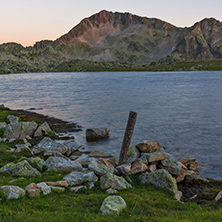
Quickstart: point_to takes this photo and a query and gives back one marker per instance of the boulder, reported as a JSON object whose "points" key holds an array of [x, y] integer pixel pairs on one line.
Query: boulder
{"points": [[195, 179], [137, 167], [3, 125], [44, 188], [38, 162], [22, 168], [99, 168], [110, 180], [133, 154], [59, 163], [12, 118], [190, 163], [77, 188], [124, 168], [57, 189], [77, 178], [19, 130], [35, 192], [97, 154], [183, 172], [155, 156], [160, 178], [149, 146], [72, 147], [19, 147], [170, 165], [218, 197], [42, 130], [12, 192], [113, 205], [58, 183], [48, 144], [30, 186], [95, 134]]}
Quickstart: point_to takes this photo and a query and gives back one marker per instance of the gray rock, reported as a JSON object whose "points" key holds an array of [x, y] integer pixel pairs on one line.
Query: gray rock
{"points": [[3, 125], [22, 168], [133, 154], [113, 205], [97, 167], [124, 168], [57, 189], [160, 178], [171, 165], [97, 154], [155, 156], [218, 197], [44, 188], [77, 178], [195, 178], [12, 192], [12, 118], [178, 195], [59, 163], [95, 134], [110, 180], [78, 188], [149, 146], [43, 129], [72, 147], [48, 144], [111, 191], [38, 161], [19, 147], [19, 130]]}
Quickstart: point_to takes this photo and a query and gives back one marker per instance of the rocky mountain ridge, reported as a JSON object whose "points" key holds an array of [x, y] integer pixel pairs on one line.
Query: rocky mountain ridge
{"points": [[119, 37]]}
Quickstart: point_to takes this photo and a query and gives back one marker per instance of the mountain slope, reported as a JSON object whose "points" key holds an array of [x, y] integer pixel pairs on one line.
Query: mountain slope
{"points": [[121, 38]]}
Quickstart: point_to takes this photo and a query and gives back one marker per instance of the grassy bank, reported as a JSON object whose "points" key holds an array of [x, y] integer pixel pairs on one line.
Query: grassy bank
{"points": [[89, 66], [144, 203]]}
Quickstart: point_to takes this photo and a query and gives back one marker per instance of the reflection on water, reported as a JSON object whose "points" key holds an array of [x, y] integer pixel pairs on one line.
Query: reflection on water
{"points": [[182, 110]]}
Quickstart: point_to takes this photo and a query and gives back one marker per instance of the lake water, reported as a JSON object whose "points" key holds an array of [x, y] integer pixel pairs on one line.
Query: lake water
{"points": [[183, 110]]}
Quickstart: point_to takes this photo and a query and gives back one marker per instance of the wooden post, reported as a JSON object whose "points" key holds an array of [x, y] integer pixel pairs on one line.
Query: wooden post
{"points": [[127, 137]]}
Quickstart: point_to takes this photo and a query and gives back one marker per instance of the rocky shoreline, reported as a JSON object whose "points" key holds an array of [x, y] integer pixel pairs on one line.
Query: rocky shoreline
{"points": [[47, 150]]}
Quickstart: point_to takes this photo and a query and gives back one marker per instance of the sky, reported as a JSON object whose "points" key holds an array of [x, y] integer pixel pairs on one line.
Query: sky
{"points": [[29, 21]]}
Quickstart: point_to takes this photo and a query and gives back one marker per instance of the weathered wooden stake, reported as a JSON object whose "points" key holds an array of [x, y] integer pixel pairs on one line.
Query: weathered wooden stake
{"points": [[127, 137]]}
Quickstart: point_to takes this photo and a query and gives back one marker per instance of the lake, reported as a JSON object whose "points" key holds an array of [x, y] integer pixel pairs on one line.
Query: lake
{"points": [[183, 110]]}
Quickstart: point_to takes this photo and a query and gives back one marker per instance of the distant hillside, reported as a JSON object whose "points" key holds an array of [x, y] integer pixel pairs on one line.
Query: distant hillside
{"points": [[117, 40]]}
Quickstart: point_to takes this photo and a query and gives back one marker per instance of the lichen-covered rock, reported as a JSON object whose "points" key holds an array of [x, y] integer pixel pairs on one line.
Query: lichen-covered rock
{"points": [[160, 178], [59, 163], [48, 144], [133, 154], [76, 178], [99, 168], [19, 130], [22, 168], [42, 130], [36, 161], [12, 192], [155, 156], [113, 205], [12, 118], [94, 134], [44, 188], [124, 168], [3, 125], [149, 146], [171, 165], [78, 188], [57, 189], [110, 180]]}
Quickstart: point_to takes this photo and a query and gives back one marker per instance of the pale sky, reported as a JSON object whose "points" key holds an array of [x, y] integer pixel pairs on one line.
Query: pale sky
{"points": [[28, 21]]}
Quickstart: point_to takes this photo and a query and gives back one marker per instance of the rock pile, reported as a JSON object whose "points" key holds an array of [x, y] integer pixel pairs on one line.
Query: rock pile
{"points": [[148, 160]]}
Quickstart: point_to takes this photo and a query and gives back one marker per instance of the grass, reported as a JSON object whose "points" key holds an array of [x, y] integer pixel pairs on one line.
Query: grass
{"points": [[144, 203]]}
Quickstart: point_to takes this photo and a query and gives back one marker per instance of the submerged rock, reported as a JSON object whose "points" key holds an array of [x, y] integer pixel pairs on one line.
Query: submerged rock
{"points": [[113, 205], [95, 134]]}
